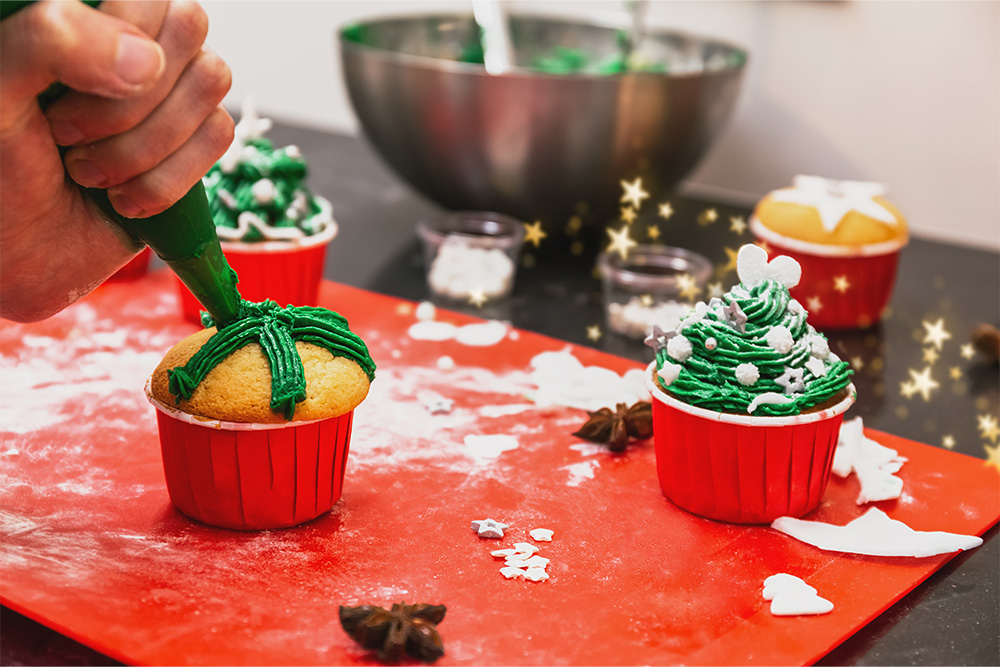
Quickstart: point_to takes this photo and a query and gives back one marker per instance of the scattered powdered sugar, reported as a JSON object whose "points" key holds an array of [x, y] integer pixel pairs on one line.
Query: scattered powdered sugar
{"points": [[580, 472], [561, 379], [489, 446]]}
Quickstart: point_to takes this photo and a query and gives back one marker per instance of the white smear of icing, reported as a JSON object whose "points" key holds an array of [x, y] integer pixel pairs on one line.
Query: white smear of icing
{"points": [[425, 311], [874, 464], [561, 379], [790, 596], [875, 534], [541, 534], [489, 446], [768, 397]]}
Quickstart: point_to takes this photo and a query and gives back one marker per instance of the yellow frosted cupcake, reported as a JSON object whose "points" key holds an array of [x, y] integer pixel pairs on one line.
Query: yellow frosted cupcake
{"points": [[846, 236]]}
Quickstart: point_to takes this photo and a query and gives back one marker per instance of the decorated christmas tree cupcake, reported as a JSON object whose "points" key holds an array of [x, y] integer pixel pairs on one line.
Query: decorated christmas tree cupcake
{"points": [[255, 417], [847, 238], [274, 230], [748, 400]]}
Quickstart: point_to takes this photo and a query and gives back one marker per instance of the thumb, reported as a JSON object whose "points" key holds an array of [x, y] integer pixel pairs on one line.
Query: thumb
{"points": [[81, 47]]}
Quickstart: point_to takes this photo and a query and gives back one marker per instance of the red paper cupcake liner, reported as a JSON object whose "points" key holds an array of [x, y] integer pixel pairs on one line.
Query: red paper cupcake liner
{"points": [[137, 267], [286, 272], [252, 476], [842, 287], [741, 468]]}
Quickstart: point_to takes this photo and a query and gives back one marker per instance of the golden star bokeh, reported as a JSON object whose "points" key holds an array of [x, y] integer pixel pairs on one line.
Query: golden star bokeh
{"points": [[477, 298], [840, 284], [621, 242], [634, 193], [628, 215], [737, 224], [665, 210], [594, 332], [987, 425], [967, 351], [708, 216], [992, 457], [730, 264], [689, 288], [948, 442], [814, 304], [936, 334], [653, 232], [930, 355], [715, 290], [533, 233], [921, 383]]}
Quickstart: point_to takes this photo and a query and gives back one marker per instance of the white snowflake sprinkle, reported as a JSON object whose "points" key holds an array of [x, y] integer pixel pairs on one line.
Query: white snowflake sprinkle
{"points": [[747, 374]]}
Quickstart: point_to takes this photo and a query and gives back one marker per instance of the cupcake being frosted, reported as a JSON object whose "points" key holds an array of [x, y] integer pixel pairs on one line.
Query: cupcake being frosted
{"points": [[752, 351], [255, 417], [747, 400]]}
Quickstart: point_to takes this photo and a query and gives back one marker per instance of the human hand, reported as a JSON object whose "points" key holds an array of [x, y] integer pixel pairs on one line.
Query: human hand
{"points": [[142, 120]]}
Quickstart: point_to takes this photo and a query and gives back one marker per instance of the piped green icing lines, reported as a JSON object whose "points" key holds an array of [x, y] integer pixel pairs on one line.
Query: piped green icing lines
{"points": [[276, 329], [751, 351]]}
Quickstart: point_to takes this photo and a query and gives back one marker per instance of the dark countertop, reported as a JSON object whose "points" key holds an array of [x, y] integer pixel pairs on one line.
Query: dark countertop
{"points": [[953, 618]]}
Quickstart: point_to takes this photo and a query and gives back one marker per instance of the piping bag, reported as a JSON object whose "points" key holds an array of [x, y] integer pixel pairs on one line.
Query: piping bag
{"points": [[183, 236]]}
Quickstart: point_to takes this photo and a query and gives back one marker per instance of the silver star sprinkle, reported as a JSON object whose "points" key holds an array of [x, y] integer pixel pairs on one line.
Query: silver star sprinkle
{"points": [[659, 338], [735, 317], [792, 380], [489, 528]]}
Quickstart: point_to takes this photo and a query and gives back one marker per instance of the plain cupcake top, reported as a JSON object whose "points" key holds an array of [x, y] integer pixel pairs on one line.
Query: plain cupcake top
{"points": [[751, 351], [825, 211]]}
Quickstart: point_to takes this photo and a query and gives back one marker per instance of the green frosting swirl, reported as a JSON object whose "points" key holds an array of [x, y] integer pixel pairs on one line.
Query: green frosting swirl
{"points": [[276, 329], [777, 354]]}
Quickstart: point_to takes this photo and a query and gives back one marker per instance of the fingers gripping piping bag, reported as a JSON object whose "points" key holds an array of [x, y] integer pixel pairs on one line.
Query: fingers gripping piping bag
{"points": [[183, 236]]}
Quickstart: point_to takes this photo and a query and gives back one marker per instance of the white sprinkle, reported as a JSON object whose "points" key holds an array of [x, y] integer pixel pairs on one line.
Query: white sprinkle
{"points": [[536, 574], [747, 374], [816, 367], [512, 572], [482, 334], [679, 348], [768, 398], [819, 346], [669, 372], [429, 330], [293, 151], [263, 191], [541, 534], [503, 553], [711, 344], [446, 363], [780, 339], [489, 528], [795, 308], [525, 548]]}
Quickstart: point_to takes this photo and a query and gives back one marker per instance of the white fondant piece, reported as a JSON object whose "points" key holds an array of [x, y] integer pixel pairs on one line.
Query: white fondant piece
{"points": [[779, 338], [503, 553], [445, 363], [541, 534], [875, 465], [536, 574], [875, 534], [669, 372], [525, 548], [835, 199], [431, 330], [816, 367], [753, 268], [512, 572], [481, 334]]}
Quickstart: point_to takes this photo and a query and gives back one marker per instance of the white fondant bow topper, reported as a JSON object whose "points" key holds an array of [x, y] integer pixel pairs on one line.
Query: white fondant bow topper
{"points": [[753, 268]]}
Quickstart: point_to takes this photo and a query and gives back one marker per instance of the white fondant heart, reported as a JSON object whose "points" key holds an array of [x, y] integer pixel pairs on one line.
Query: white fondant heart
{"points": [[753, 268]]}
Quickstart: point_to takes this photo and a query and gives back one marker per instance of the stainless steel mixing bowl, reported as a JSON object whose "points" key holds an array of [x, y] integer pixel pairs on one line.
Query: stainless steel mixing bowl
{"points": [[526, 143]]}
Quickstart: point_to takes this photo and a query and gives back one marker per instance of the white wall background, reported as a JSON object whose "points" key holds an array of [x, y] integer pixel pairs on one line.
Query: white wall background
{"points": [[904, 93]]}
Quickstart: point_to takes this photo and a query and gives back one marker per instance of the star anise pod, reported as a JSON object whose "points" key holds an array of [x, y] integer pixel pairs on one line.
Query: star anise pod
{"points": [[614, 428], [405, 628]]}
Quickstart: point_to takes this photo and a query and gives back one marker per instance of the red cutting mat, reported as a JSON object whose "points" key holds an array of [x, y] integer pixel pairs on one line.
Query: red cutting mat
{"points": [[92, 547]]}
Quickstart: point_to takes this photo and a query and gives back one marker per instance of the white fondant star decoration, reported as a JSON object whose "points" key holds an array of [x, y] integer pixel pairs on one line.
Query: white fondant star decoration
{"points": [[791, 596], [792, 380], [834, 199], [440, 406], [489, 528]]}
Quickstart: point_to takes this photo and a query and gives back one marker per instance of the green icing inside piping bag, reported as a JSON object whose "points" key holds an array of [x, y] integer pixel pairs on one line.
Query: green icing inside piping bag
{"points": [[276, 329]]}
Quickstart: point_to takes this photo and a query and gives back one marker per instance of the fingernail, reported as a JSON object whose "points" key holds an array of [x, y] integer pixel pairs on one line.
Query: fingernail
{"points": [[138, 59], [86, 173], [125, 206], [65, 132]]}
